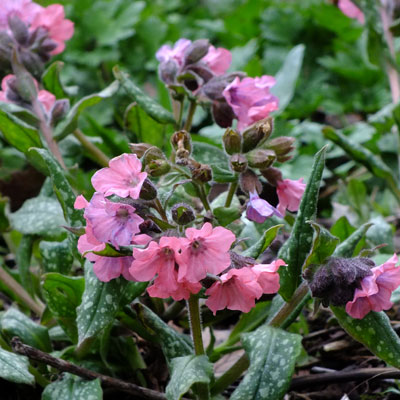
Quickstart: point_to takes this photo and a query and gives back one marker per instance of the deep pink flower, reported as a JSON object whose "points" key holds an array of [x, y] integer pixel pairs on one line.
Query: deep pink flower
{"points": [[218, 60], [204, 250], [348, 8], [267, 276], [176, 53], [111, 222], [122, 177], [52, 18], [251, 99], [237, 290], [258, 210], [107, 268], [26, 10], [376, 290], [182, 292], [289, 193]]}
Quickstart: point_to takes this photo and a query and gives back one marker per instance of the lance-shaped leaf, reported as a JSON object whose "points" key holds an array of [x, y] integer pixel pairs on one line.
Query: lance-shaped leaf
{"points": [[262, 244], [15, 323], [71, 388], [187, 371], [150, 106], [14, 368], [347, 247], [23, 114], [273, 353], [374, 331], [63, 295], [226, 215], [323, 246], [298, 246], [51, 80]]}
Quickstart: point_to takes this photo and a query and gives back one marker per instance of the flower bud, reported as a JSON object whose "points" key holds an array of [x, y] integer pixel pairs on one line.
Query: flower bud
{"points": [[157, 167], [215, 85], [139, 148], [260, 158], [335, 282], [232, 141], [148, 190], [167, 71], [249, 182], [281, 145], [272, 175], [59, 110], [238, 163], [32, 62], [222, 113], [196, 51], [256, 133], [182, 214], [202, 173], [181, 139], [18, 29]]}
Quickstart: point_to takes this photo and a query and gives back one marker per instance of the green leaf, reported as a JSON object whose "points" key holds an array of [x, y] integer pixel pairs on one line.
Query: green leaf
{"points": [[273, 353], [41, 216], [287, 76], [374, 331], [298, 246], [342, 228], [14, 368], [186, 371], [51, 80], [347, 247], [226, 215], [63, 295], [23, 258], [56, 256], [23, 114], [172, 343], [72, 387], [70, 122], [150, 106], [15, 323], [267, 238], [324, 244], [381, 232]]}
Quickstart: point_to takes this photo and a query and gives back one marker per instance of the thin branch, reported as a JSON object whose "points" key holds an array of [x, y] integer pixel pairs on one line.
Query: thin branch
{"points": [[65, 366]]}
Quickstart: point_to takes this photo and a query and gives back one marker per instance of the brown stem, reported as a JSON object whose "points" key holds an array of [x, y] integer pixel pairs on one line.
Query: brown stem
{"points": [[65, 366], [96, 153]]}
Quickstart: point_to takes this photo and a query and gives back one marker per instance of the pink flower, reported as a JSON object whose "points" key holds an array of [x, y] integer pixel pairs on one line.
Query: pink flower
{"points": [[348, 8], [251, 99], [52, 18], [111, 222], [204, 250], [376, 290], [88, 243], [218, 60], [237, 290], [107, 268], [123, 177], [26, 10], [290, 193], [258, 210], [182, 292], [177, 53], [267, 276]]}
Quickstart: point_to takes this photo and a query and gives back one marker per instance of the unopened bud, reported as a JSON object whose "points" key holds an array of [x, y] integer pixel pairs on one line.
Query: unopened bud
{"points": [[273, 175], [181, 139], [148, 190], [281, 145], [232, 141], [249, 182], [182, 214], [157, 167], [202, 173], [196, 51], [238, 163], [222, 113], [59, 110], [139, 148], [18, 29], [256, 133], [167, 71], [260, 158], [32, 62]]}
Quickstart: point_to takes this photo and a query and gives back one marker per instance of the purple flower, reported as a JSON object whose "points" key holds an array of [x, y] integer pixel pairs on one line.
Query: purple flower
{"points": [[258, 210], [177, 53]]}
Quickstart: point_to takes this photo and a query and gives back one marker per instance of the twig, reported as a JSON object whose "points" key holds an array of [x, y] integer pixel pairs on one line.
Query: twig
{"points": [[344, 376], [65, 366]]}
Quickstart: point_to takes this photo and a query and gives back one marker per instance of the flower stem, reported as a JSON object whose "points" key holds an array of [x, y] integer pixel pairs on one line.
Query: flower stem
{"points": [[232, 191], [203, 196], [93, 150], [189, 119]]}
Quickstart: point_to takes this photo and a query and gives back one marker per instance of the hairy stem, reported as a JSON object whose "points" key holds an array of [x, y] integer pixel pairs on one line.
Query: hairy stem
{"points": [[189, 119], [93, 150], [232, 191]]}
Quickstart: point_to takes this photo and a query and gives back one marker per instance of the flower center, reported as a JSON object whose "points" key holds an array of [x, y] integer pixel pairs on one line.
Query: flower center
{"points": [[122, 214], [197, 246]]}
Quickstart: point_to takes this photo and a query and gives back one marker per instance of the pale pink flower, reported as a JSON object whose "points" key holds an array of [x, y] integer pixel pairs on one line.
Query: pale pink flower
{"points": [[123, 177], [26, 10], [289, 194], [267, 276], [258, 209], [237, 290], [52, 18], [251, 99], [111, 222], [88, 243], [348, 8], [176, 53], [218, 60], [204, 250], [376, 290], [108, 268]]}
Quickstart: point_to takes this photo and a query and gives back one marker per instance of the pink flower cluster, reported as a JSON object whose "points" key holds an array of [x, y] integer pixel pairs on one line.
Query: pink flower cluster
{"points": [[376, 290], [51, 19]]}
